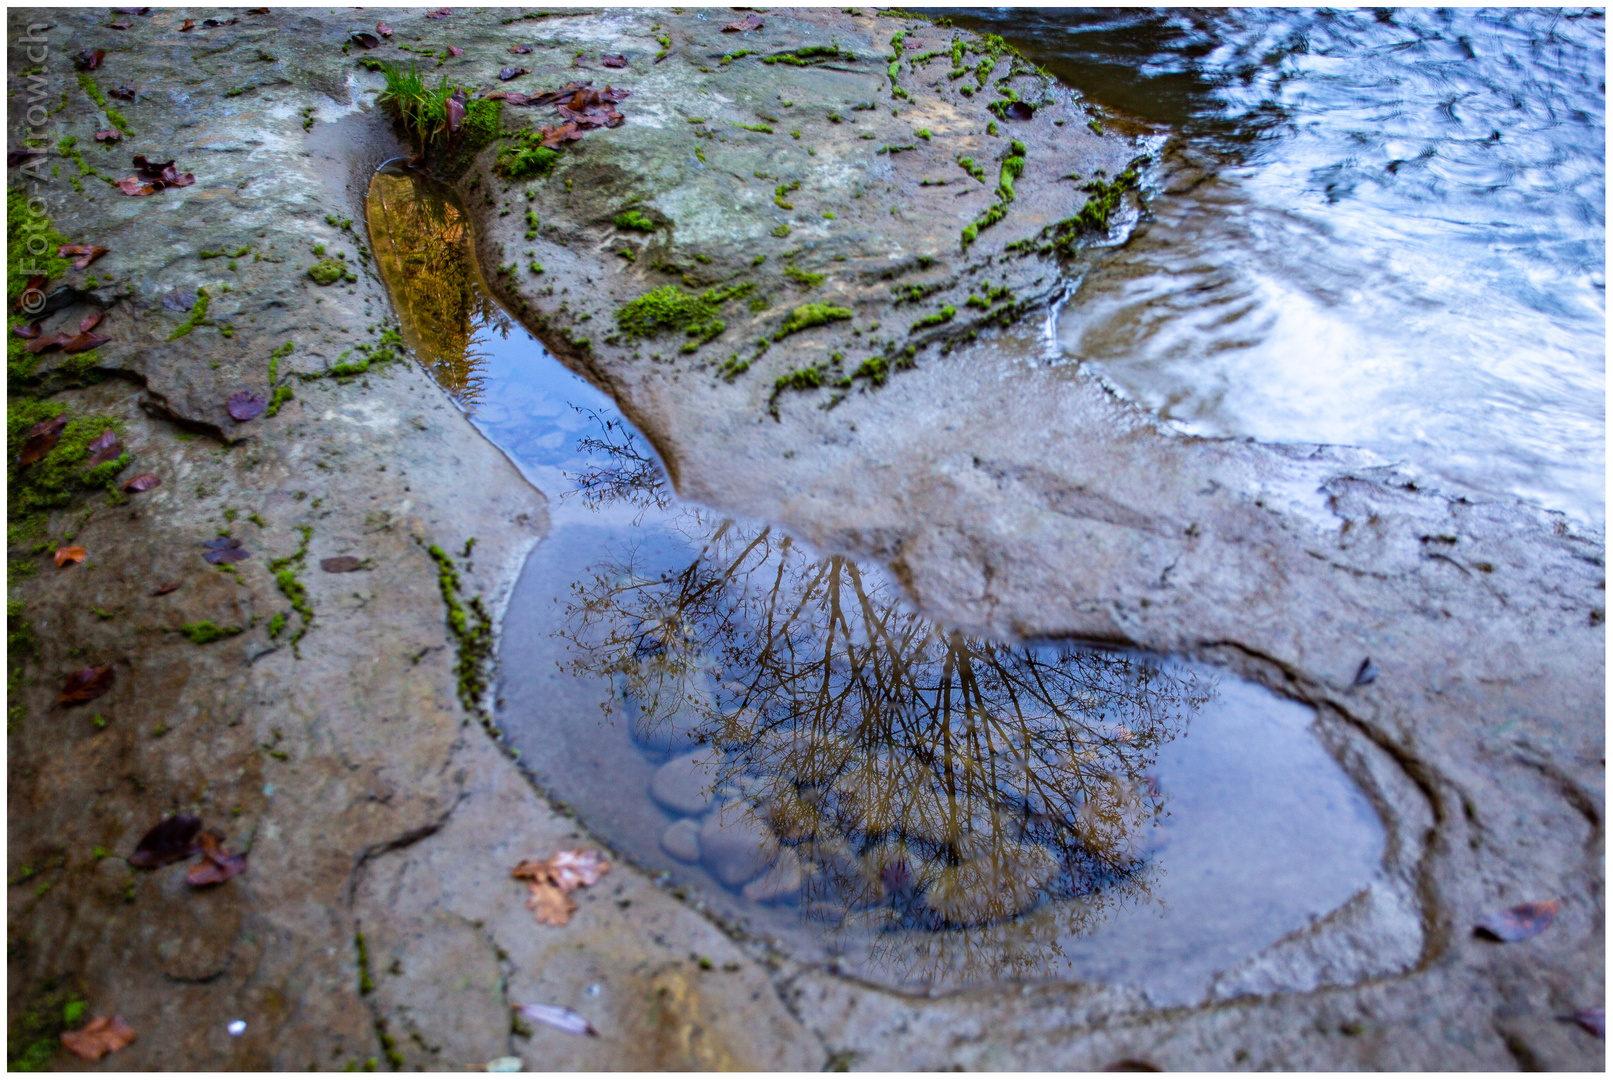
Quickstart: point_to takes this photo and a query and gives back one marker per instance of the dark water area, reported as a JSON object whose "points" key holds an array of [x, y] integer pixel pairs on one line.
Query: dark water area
{"points": [[777, 731], [1376, 227]]}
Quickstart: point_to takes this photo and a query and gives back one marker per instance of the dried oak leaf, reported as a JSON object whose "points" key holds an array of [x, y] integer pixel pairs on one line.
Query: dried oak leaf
{"points": [[90, 321], [245, 405], [101, 1036], [553, 137], [508, 73], [121, 24], [67, 555], [105, 448], [558, 1016], [108, 135], [85, 685], [363, 40], [122, 93], [549, 905], [613, 61], [164, 590], [553, 879], [520, 50], [225, 550], [84, 342], [88, 59], [749, 22], [455, 50], [1519, 923], [42, 439], [440, 13], [47, 342], [190, 24], [28, 332], [143, 482], [341, 564], [168, 841], [217, 865], [383, 29]]}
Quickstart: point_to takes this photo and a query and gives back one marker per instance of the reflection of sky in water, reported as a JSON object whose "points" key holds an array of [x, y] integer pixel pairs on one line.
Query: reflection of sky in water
{"points": [[1255, 832]]}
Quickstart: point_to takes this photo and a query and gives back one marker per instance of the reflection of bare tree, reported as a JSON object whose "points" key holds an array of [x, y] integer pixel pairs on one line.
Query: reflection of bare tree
{"points": [[913, 777], [422, 242], [633, 475]]}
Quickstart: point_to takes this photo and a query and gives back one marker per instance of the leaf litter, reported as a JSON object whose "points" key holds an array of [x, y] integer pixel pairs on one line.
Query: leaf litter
{"points": [[101, 1036], [86, 684], [143, 482], [553, 880], [558, 1016], [245, 405], [67, 555], [225, 550], [1519, 923], [152, 177], [42, 439]]}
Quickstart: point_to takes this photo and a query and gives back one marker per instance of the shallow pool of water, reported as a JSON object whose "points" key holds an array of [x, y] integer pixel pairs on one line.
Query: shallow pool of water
{"points": [[1376, 228], [778, 730]]}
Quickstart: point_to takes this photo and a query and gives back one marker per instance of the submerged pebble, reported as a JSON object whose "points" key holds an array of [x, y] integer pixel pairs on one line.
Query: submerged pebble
{"points": [[682, 840], [735, 845], [687, 784]]}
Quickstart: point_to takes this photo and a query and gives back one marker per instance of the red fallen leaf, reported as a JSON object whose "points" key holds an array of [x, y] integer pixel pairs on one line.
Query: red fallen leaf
{"points": [[85, 685], [164, 590], [341, 564], [506, 74], [143, 482], [520, 50], [89, 321], [67, 555], [88, 59], [456, 113], [455, 50], [84, 343], [36, 284], [121, 24], [224, 551], [245, 405], [749, 22], [153, 177], [383, 29], [131, 186], [510, 97], [189, 24], [108, 135], [553, 137], [1519, 923], [217, 865], [168, 841], [29, 332], [122, 93], [613, 61], [363, 40], [42, 439], [440, 13], [101, 1036], [210, 23], [46, 343], [105, 448], [90, 253]]}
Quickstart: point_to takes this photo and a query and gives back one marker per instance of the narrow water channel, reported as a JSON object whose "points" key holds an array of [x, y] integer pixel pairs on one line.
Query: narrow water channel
{"points": [[777, 730]]}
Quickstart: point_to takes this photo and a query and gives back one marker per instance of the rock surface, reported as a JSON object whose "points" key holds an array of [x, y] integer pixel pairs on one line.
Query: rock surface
{"points": [[1017, 499], [687, 784]]}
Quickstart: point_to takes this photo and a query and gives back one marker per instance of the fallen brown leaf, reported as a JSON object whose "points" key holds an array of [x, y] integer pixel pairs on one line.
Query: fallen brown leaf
{"points": [[613, 61], [42, 439], [341, 564], [153, 177], [47, 342], [101, 1036], [456, 113], [121, 24], [122, 93], [552, 880], [217, 865], [749, 22], [440, 13], [520, 50], [508, 73], [143, 482], [85, 685], [225, 550], [36, 284], [210, 23], [164, 590], [67, 555], [84, 343], [88, 59], [105, 448], [455, 50], [175, 300], [168, 841], [1519, 923], [1592, 1020], [189, 25], [363, 40], [245, 405], [549, 905], [28, 332], [108, 135], [90, 321], [383, 29]]}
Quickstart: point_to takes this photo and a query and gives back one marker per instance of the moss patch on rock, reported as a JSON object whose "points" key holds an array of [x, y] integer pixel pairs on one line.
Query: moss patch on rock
{"points": [[807, 316]]}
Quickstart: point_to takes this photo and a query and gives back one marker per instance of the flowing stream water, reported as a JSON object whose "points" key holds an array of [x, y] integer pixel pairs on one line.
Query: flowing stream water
{"points": [[1380, 228], [778, 732]]}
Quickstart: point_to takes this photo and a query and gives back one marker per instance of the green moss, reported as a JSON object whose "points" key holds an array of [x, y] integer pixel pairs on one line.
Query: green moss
{"points": [[801, 277], [733, 367], [277, 624], [55, 480], [285, 578], [632, 219], [366, 985], [35, 1027], [472, 629], [525, 156], [781, 231], [942, 316], [763, 128], [668, 309], [1103, 199], [326, 272], [783, 190], [197, 317], [807, 316], [281, 395], [204, 632], [236, 254], [812, 54], [423, 111]]}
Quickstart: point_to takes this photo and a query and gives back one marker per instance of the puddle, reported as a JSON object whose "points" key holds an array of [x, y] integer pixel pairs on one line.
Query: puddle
{"points": [[776, 730]]}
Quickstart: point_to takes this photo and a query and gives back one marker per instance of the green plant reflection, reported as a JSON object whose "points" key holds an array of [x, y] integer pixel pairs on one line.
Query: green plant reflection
{"points": [[424, 246], [908, 777]]}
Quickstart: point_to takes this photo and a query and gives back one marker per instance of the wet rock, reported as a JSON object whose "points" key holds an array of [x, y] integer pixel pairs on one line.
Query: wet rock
{"points": [[735, 844], [681, 840], [687, 784], [782, 881]]}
